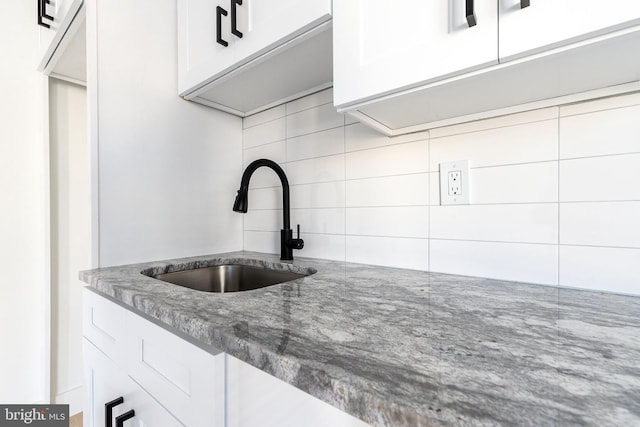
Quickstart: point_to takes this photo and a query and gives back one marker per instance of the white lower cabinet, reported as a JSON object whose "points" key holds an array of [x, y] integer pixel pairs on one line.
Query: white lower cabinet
{"points": [[255, 398], [168, 381], [105, 382]]}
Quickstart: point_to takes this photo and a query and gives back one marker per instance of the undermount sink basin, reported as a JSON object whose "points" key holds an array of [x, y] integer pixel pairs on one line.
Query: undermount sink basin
{"points": [[229, 278]]}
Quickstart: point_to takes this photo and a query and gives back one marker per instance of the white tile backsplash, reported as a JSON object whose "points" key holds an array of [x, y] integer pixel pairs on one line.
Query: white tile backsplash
{"points": [[526, 223], [323, 143], [398, 159], [554, 192], [264, 133], [401, 190], [389, 251], [320, 169], [600, 224], [505, 261], [610, 269], [605, 178], [313, 120], [525, 143], [403, 221], [601, 133]]}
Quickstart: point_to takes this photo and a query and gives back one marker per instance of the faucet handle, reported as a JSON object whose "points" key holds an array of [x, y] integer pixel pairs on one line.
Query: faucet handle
{"points": [[297, 243]]}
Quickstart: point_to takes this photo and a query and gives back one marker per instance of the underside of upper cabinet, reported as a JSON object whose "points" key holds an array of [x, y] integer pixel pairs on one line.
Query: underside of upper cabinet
{"points": [[599, 67], [245, 56]]}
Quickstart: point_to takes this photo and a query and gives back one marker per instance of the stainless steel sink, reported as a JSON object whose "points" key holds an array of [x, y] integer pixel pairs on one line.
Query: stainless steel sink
{"points": [[229, 278]]}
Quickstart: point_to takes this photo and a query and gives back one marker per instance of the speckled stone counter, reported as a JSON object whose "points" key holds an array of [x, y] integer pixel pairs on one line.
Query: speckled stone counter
{"points": [[407, 348]]}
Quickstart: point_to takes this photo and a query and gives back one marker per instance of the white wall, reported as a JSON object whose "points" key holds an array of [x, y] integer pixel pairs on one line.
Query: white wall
{"points": [[165, 170], [555, 194], [70, 236], [24, 212]]}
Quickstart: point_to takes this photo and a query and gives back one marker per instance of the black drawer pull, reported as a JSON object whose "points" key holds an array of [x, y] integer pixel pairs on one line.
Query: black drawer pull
{"points": [[470, 13], [220, 12], [42, 13], [524, 3], [234, 21], [124, 417], [108, 410]]}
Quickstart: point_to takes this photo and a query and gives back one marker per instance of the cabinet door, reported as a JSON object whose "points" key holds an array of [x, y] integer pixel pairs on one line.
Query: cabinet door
{"points": [[186, 379], [264, 25], [200, 56], [255, 398], [105, 382], [550, 23], [382, 46]]}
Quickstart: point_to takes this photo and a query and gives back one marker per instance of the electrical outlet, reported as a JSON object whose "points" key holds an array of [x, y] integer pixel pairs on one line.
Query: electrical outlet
{"points": [[454, 183]]}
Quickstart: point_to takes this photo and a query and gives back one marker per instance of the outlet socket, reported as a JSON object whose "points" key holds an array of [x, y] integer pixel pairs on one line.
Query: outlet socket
{"points": [[455, 186]]}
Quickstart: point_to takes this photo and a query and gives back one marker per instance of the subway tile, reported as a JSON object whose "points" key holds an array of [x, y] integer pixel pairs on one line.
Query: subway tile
{"points": [[403, 190], [262, 241], [505, 261], [607, 178], [324, 246], [318, 144], [318, 195], [264, 116], [275, 151], [606, 269], [526, 143], [310, 101], [600, 224], [399, 159], [496, 122], [313, 120], [321, 169], [389, 251], [265, 198], [349, 119], [524, 183], [408, 221], [609, 103], [361, 137], [264, 133], [325, 221], [525, 223], [602, 133], [263, 220]]}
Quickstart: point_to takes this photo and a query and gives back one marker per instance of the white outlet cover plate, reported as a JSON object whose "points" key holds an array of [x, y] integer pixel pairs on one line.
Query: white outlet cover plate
{"points": [[464, 196]]}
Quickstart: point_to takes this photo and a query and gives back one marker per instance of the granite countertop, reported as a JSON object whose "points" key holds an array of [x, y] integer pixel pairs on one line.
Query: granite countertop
{"points": [[408, 348]]}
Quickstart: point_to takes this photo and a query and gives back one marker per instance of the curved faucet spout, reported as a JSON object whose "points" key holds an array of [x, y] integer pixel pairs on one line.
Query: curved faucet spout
{"points": [[241, 204]]}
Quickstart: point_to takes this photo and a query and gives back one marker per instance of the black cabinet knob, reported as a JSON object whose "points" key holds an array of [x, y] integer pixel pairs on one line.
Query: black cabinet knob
{"points": [[220, 12]]}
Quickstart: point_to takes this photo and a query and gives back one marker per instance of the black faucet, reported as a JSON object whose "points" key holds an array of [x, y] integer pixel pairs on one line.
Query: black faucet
{"points": [[287, 242]]}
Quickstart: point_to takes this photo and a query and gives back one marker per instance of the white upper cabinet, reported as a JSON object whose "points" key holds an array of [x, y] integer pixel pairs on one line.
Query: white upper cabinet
{"points": [[62, 43], [546, 24], [381, 46], [243, 56], [408, 66]]}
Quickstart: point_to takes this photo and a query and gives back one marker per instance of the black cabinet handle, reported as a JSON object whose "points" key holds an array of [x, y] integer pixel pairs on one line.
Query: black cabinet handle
{"points": [[108, 410], [234, 21], [220, 12], [470, 13], [42, 13], [524, 3], [124, 417]]}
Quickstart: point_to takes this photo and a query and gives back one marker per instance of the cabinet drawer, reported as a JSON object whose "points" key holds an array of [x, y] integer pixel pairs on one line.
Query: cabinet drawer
{"points": [[105, 382], [186, 379], [104, 324]]}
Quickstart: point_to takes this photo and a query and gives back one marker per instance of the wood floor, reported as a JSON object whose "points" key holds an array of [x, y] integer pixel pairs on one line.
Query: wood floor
{"points": [[76, 420]]}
